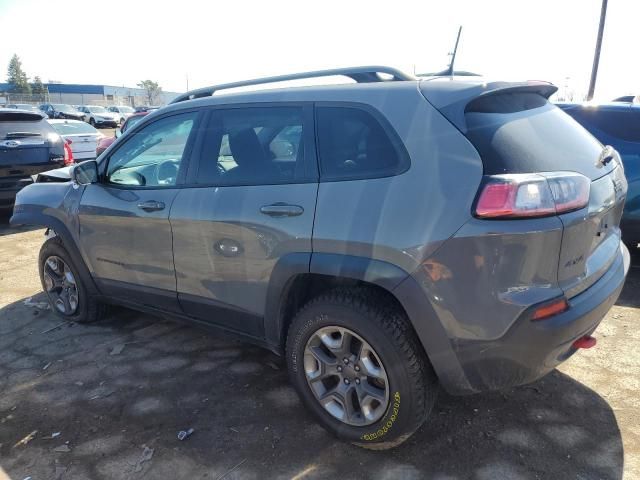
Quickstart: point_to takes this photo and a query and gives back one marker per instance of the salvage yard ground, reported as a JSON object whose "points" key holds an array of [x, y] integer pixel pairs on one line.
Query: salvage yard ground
{"points": [[106, 401]]}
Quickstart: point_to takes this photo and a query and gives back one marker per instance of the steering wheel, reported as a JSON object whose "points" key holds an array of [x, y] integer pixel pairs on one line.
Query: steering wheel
{"points": [[167, 172]]}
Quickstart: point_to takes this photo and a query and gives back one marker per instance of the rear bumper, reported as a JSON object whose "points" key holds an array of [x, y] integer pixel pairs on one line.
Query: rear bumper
{"points": [[111, 123], [528, 350]]}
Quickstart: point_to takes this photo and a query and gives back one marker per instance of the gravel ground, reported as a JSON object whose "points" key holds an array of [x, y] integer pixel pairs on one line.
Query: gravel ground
{"points": [[119, 391]]}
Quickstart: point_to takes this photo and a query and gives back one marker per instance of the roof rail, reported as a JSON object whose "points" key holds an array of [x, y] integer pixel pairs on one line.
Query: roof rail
{"points": [[359, 74]]}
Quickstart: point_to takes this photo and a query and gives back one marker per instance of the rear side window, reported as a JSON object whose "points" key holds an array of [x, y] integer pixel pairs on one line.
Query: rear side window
{"points": [[353, 144], [253, 146]]}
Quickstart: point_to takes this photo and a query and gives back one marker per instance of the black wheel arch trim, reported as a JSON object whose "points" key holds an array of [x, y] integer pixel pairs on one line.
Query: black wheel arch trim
{"points": [[393, 279]]}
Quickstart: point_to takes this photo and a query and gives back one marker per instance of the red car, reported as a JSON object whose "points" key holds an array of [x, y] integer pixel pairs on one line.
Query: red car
{"points": [[129, 122]]}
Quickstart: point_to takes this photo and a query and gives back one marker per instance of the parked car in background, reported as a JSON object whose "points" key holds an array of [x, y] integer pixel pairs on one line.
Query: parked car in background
{"points": [[99, 116], [61, 110], [26, 106], [81, 137], [144, 108], [388, 236], [618, 125], [628, 99], [123, 111], [28, 145], [106, 142]]}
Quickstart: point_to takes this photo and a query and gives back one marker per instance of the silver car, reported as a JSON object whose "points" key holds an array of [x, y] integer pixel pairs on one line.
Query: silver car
{"points": [[98, 116], [122, 111], [388, 237], [81, 137]]}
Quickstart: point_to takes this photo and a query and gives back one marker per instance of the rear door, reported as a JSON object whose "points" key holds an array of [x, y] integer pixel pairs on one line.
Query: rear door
{"points": [[250, 203], [124, 220]]}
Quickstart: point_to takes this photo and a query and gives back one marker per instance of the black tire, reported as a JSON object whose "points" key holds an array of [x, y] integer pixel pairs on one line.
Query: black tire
{"points": [[412, 383], [92, 122], [88, 309]]}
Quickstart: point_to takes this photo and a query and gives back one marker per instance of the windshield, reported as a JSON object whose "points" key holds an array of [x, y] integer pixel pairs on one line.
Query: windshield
{"points": [[70, 128], [131, 122], [61, 107], [125, 109], [26, 106], [97, 109]]}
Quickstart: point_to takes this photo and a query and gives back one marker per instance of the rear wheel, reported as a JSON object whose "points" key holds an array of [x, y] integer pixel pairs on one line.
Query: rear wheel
{"points": [[67, 295], [358, 366], [92, 122]]}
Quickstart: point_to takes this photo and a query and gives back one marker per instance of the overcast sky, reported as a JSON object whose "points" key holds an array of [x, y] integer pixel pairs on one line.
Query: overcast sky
{"points": [[122, 42]]}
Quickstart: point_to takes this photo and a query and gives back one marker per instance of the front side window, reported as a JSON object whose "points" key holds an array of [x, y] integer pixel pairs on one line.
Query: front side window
{"points": [[353, 144], [253, 146], [152, 156]]}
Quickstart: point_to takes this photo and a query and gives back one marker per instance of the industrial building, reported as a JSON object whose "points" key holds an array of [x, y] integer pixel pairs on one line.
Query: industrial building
{"points": [[78, 94]]}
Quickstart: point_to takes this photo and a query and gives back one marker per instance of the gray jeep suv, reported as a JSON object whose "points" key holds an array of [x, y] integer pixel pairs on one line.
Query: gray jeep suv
{"points": [[388, 236]]}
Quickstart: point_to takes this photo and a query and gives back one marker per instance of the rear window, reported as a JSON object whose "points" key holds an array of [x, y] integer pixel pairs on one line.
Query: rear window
{"points": [[353, 144], [524, 133], [20, 125], [69, 128]]}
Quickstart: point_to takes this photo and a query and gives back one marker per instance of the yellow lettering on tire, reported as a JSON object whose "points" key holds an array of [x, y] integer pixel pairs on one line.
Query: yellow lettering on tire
{"points": [[387, 426]]}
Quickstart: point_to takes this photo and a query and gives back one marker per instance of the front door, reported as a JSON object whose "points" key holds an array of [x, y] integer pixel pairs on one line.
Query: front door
{"points": [[250, 203], [124, 220]]}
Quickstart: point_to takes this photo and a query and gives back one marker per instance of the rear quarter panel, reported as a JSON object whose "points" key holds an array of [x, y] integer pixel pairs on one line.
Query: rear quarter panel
{"points": [[402, 219]]}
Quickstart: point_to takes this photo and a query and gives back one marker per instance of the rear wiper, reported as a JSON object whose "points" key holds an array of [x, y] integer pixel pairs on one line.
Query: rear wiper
{"points": [[21, 135]]}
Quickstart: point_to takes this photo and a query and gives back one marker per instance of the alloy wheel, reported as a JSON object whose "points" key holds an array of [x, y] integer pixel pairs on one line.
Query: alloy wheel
{"points": [[60, 285], [346, 376]]}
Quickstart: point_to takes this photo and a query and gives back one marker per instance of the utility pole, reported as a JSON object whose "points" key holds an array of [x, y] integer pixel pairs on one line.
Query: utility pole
{"points": [[187, 75], [596, 55]]}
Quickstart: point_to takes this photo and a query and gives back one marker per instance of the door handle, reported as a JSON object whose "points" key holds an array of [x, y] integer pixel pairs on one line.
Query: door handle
{"points": [[151, 206], [282, 210]]}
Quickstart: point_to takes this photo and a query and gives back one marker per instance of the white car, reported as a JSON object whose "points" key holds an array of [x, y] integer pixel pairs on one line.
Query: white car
{"points": [[122, 110], [99, 116], [81, 137]]}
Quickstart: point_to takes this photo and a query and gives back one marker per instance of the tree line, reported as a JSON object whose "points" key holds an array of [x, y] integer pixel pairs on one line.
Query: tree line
{"points": [[19, 81]]}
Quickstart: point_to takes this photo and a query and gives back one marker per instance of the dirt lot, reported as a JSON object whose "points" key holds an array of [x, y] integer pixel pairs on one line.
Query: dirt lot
{"points": [[119, 391]]}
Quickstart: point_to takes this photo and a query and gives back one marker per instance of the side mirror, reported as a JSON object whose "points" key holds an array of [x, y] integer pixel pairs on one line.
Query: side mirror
{"points": [[85, 173], [118, 132]]}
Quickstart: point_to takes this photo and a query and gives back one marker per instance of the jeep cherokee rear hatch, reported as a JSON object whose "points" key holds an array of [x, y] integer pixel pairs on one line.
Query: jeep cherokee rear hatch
{"points": [[540, 162], [28, 145]]}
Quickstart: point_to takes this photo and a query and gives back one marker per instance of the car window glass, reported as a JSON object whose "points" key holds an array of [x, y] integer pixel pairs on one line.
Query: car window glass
{"points": [[253, 146], [152, 156], [353, 144], [622, 124]]}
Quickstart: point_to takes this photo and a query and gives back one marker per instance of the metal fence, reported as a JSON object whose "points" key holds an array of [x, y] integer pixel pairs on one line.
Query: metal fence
{"points": [[7, 98]]}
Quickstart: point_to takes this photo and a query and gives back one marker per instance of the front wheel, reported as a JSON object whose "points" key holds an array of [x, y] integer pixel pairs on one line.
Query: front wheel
{"points": [[92, 122], [358, 366], [67, 294]]}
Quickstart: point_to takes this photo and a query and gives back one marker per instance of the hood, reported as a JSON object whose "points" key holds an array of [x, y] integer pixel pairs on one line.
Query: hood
{"points": [[58, 175]]}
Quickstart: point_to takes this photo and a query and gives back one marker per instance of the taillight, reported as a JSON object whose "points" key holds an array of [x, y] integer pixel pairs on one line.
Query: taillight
{"points": [[524, 195], [68, 154]]}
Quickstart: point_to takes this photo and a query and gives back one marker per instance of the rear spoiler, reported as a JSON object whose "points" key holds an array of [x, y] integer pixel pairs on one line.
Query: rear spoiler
{"points": [[452, 97], [14, 115]]}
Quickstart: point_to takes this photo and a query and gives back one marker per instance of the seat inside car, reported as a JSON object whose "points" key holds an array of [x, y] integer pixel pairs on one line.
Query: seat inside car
{"points": [[250, 156]]}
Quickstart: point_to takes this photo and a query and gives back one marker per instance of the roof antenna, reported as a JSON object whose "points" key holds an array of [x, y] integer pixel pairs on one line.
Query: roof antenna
{"points": [[450, 70]]}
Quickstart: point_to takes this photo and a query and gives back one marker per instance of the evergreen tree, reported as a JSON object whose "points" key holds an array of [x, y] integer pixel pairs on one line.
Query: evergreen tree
{"points": [[38, 87], [16, 77]]}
